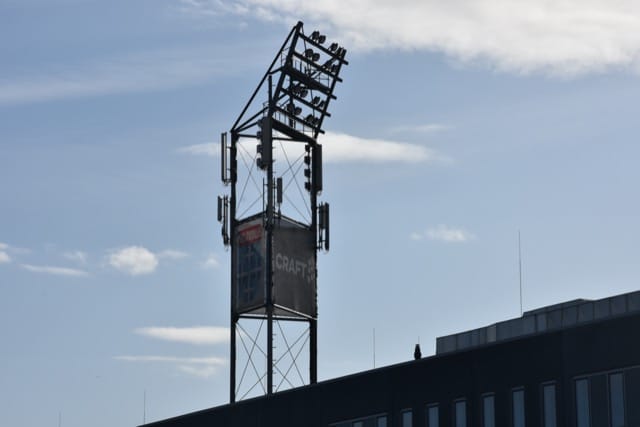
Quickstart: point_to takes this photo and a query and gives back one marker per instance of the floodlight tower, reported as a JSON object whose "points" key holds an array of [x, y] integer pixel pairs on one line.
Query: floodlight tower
{"points": [[275, 234]]}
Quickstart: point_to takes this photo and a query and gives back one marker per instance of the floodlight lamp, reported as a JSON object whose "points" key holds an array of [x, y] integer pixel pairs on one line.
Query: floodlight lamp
{"points": [[308, 53], [291, 107], [327, 63], [315, 57], [322, 38], [334, 68], [315, 35], [333, 47], [303, 93], [315, 100]]}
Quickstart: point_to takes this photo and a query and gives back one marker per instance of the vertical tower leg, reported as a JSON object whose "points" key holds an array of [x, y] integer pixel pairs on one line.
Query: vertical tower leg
{"points": [[232, 362], [313, 350]]}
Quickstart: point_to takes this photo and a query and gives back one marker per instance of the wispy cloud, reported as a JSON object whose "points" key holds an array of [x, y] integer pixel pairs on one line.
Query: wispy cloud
{"points": [[76, 256], [421, 128], [138, 72], [444, 233], [211, 262], [6, 249], [340, 147], [202, 367], [200, 335], [560, 37], [211, 149], [199, 371], [134, 260], [172, 254], [57, 271], [4, 256]]}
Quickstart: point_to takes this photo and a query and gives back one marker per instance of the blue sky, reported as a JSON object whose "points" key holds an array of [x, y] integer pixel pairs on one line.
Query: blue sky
{"points": [[456, 126]]}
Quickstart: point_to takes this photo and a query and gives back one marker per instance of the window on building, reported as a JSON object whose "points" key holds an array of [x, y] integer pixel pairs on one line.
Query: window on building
{"points": [[616, 399], [378, 420], [488, 410], [517, 407], [433, 415], [549, 405], [582, 403], [460, 412], [407, 418]]}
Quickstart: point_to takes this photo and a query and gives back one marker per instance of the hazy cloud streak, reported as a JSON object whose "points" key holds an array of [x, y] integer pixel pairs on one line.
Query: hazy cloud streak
{"points": [[76, 256], [211, 262], [202, 367], [57, 271], [444, 233], [200, 335], [211, 149], [141, 72], [172, 254]]}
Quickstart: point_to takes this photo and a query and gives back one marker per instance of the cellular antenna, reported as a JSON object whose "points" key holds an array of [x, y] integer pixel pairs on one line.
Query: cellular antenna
{"points": [[275, 226], [520, 270]]}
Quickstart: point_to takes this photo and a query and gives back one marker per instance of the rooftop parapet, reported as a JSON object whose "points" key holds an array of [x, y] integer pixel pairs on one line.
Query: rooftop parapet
{"points": [[541, 320]]}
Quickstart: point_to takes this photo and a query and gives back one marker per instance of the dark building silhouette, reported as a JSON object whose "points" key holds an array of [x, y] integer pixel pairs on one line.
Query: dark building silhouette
{"points": [[575, 364]]}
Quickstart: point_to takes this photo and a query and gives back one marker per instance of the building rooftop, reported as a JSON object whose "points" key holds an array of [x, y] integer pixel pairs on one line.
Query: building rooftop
{"points": [[541, 320]]}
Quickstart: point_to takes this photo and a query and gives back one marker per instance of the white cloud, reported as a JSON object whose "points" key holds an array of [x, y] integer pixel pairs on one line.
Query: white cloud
{"points": [[444, 233], [192, 335], [4, 257], [139, 72], [57, 271], [340, 147], [172, 254], [211, 262], [202, 367], [172, 359], [561, 36], [134, 260], [211, 149], [76, 256]]}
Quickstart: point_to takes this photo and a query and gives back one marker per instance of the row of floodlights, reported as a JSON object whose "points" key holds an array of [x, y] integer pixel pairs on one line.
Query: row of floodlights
{"points": [[310, 119], [315, 57], [299, 90], [321, 38]]}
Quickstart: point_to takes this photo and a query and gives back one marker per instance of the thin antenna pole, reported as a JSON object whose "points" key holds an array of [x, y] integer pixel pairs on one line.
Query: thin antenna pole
{"points": [[144, 407], [520, 269], [374, 348]]}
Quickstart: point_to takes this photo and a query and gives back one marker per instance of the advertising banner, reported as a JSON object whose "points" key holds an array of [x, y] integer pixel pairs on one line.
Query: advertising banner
{"points": [[294, 267], [249, 275]]}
